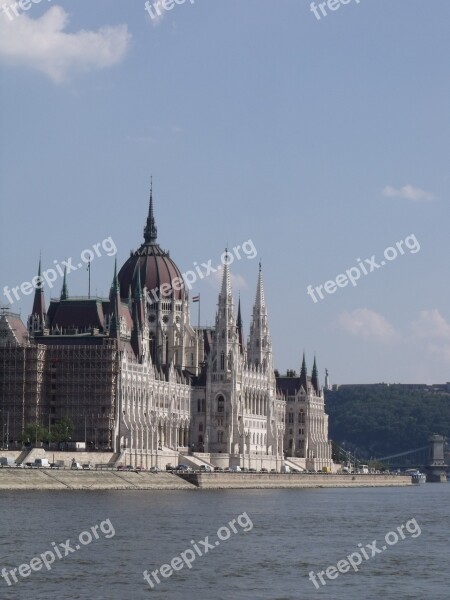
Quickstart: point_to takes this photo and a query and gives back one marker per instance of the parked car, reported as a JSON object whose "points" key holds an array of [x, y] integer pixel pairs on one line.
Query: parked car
{"points": [[235, 469], [184, 468], [273, 471], [218, 469], [252, 470], [76, 466], [121, 467], [170, 467], [205, 469], [264, 470], [87, 467], [55, 466], [154, 470]]}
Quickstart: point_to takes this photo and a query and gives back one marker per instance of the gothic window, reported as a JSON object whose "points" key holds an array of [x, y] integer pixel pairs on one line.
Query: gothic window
{"points": [[220, 436], [203, 405], [291, 418], [290, 444], [220, 404], [222, 361], [200, 427], [301, 416]]}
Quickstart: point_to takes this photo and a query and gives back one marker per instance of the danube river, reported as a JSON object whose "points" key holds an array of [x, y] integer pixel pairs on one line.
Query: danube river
{"points": [[239, 545]]}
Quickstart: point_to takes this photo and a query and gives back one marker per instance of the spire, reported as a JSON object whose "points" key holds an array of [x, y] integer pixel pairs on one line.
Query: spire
{"points": [[115, 287], [150, 230], [226, 281], [304, 374], [137, 287], [315, 376], [260, 301], [38, 311], [64, 290], [259, 344], [114, 298], [240, 328], [225, 335]]}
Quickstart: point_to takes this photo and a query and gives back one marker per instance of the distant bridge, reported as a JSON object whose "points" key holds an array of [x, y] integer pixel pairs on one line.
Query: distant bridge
{"points": [[415, 458]]}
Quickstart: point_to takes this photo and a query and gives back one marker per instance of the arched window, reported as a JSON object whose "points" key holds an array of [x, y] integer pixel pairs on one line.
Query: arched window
{"points": [[198, 405], [222, 361], [220, 404], [200, 427]]}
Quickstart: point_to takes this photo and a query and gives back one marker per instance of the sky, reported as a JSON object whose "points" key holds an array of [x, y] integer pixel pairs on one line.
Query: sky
{"points": [[320, 140]]}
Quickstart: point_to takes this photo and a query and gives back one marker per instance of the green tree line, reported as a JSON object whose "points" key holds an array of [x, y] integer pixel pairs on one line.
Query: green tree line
{"points": [[59, 432], [380, 420]]}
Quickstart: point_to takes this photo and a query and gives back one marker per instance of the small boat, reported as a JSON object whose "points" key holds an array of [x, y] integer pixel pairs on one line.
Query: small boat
{"points": [[416, 476]]}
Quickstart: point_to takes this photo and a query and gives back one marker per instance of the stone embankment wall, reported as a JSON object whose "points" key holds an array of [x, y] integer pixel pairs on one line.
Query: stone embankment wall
{"points": [[60, 479], [292, 480]]}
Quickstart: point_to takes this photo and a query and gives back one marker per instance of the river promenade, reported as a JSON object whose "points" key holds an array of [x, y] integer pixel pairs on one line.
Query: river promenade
{"points": [[66, 479]]}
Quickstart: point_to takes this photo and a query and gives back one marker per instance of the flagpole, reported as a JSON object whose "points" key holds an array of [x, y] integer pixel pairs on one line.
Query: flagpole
{"points": [[89, 279], [199, 313]]}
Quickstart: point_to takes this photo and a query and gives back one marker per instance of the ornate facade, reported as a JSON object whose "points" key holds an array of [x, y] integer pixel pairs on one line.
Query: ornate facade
{"points": [[137, 379]]}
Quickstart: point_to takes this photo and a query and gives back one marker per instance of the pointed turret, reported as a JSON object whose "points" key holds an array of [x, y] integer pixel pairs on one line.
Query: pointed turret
{"points": [[225, 291], [114, 298], [138, 296], [259, 344], [239, 328], [150, 229], [137, 316], [64, 289], [37, 317], [315, 377], [304, 375], [225, 330]]}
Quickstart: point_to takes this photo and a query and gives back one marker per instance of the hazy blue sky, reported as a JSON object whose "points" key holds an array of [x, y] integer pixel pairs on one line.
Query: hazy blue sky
{"points": [[323, 142]]}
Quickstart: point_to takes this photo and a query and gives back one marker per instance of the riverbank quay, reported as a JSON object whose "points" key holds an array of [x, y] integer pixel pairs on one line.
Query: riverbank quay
{"points": [[214, 481], [66, 479]]}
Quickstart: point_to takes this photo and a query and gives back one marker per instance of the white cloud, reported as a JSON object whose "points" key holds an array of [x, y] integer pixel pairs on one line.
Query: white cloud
{"points": [[43, 44], [408, 192], [431, 325], [368, 325]]}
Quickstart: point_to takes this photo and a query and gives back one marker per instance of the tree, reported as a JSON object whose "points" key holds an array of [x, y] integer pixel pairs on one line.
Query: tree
{"points": [[62, 431]]}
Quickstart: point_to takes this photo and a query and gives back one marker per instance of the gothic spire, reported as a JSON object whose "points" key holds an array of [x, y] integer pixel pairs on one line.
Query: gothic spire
{"points": [[114, 297], [304, 375], [239, 328], [260, 301], [150, 230], [259, 344], [226, 281], [39, 300], [37, 317], [315, 376], [64, 290]]}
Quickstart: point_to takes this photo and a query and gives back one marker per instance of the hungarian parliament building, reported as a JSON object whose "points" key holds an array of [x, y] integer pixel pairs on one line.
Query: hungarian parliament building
{"points": [[136, 379]]}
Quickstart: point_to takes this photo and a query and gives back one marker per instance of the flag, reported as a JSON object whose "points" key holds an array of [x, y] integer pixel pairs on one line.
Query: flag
{"points": [[196, 298]]}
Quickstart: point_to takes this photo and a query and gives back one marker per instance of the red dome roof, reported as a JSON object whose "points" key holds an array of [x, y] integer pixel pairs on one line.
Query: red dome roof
{"points": [[157, 269]]}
